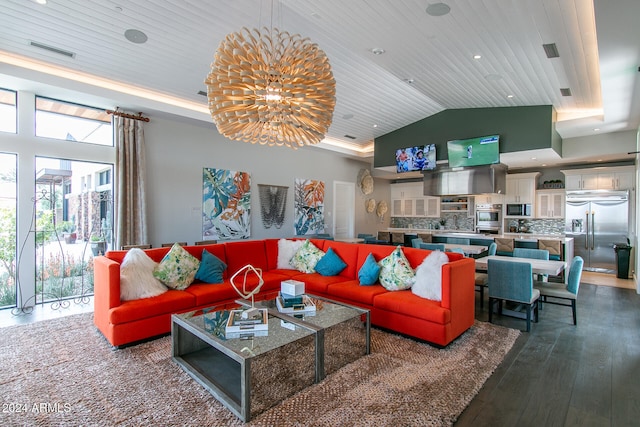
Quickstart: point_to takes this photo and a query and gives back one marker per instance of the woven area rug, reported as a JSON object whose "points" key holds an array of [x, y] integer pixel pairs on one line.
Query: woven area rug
{"points": [[63, 372]]}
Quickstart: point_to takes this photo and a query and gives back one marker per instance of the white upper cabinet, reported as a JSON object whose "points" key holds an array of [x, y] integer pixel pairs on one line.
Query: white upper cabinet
{"points": [[608, 178], [407, 199], [550, 203], [521, 188]]}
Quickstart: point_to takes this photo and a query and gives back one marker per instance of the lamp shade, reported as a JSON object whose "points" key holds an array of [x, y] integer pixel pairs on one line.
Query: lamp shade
{"points": [[271, 88]]}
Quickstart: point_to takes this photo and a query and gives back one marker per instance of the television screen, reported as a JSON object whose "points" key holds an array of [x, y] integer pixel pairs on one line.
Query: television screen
{"points": [[419, 158], [473, 151]]}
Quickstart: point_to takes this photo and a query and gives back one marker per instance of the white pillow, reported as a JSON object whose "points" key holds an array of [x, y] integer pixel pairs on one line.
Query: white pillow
{"points": [[428, 280], [136, 276], [286, 250]]}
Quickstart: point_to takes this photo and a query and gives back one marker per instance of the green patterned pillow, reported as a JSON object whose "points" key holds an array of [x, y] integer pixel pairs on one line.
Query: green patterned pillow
{"points": [[396, 273], [177, 269], [306, 258]]}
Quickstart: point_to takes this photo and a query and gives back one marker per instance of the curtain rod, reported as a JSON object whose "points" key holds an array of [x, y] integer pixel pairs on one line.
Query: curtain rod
{"points": [[128, 116]]}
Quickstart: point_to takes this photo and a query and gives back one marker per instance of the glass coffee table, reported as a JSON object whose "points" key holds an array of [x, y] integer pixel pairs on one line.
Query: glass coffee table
{"points": [[251, 372]]}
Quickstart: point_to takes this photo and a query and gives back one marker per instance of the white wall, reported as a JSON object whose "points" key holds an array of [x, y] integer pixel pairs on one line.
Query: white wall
{"points": [[602, 144], [177, 151]]}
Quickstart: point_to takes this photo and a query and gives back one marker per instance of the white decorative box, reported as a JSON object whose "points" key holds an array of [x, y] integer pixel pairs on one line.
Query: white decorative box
{"points": [[292, 287]]}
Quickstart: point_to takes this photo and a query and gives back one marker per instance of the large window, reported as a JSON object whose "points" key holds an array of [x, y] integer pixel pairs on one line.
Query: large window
{"points": [[7, 230], [72, 122], [7, 111]]}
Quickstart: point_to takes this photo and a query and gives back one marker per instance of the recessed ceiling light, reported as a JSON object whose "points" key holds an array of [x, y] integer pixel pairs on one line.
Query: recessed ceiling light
{"points": [[410, 81], [135, 36], [375, 126], [509, 96], [40, 1], [596, 129], [477, 56], [438, 9], [377, 51], [534, 158]]}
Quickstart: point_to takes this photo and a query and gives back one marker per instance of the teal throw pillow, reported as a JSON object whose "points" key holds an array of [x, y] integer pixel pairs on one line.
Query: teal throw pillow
{"points": [[211, 268], [369, 272], [330, 264]]}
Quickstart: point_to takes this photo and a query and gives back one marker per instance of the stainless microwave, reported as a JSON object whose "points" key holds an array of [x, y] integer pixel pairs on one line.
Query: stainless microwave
{"points": [[518, 210]]}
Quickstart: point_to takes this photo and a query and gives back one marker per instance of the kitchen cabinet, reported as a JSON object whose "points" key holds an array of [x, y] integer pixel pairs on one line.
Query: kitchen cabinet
{"points": [[463, 205], [407, 200], [521, 188], [607, 178], [489, 199], [550, 203]]}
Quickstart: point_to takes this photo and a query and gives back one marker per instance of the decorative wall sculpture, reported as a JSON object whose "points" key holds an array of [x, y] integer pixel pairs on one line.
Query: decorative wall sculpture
{"points": [[273, 204], [308, 206], [226, 204]]}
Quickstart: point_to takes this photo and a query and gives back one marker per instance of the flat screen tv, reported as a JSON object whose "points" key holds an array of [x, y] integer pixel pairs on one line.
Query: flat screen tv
{"points": [[418, 158], [478, 151]]}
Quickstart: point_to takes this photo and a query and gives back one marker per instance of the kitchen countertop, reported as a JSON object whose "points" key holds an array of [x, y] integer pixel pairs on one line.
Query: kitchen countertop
{"points": [[467, 233]]}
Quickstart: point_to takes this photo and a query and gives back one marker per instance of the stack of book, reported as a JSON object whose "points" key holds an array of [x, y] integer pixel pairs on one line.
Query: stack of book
{"points": [[294, 304], [257, 321]]}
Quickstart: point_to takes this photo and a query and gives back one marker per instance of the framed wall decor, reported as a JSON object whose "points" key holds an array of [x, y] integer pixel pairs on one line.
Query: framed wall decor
{"points": [[226, 204], [308, 206]]}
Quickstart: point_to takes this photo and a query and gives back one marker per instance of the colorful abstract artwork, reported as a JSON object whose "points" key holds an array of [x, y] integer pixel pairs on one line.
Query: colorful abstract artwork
{"points": [[308, 207], [273, 203], [226, 204]]}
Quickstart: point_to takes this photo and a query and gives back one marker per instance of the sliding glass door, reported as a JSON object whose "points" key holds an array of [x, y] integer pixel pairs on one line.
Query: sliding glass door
{"points": [[7, 230]]}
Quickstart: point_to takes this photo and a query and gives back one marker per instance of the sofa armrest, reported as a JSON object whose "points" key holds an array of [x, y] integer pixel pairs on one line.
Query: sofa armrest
{"points": [[106, 285], [458, 287]]}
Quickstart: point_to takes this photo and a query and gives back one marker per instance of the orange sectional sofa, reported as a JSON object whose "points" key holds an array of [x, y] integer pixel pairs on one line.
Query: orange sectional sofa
{"points": [[437, 322]]}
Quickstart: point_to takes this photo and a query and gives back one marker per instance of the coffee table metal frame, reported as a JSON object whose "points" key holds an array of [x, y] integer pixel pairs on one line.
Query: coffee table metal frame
{"points": [[217, 367]]}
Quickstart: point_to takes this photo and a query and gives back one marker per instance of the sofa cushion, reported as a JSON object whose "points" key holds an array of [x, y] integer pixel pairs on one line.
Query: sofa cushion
{"points": [[330, 264], [178, 268], [369, 272], [352, 291], [315, 283], [306, 258], [286, 250], [428, 280], [211, 268], [395, 272], [171, 301], [409, 304], [242, 253], [136, 277], [206, 294]]}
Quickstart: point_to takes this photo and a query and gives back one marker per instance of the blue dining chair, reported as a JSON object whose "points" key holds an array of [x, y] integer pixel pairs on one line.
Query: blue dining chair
{"points": [[458, 240], [568, 294], [482, 278], [458, 250], [533, 254], [512, 281], [432, 246], [415, 243]]}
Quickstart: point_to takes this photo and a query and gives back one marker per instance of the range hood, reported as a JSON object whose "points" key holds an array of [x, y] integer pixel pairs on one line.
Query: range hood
{"points": [[467, 180]]}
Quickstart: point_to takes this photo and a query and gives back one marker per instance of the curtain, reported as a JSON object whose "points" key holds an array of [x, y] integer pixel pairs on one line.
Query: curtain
{"points": [[131, 219]]}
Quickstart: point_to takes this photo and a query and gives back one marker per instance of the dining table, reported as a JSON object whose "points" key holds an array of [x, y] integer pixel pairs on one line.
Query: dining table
{"points": [[467, 249], [538, 266]]}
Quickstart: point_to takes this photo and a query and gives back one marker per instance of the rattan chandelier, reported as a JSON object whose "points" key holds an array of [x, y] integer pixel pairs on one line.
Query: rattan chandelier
{"points": [[272, 88]]}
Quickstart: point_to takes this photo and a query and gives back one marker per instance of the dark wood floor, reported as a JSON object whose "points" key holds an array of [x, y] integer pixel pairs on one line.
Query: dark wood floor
{"points": [[564, 375]]}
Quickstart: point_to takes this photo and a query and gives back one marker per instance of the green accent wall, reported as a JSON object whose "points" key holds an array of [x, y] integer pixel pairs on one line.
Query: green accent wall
{"points": [[520, 129]]}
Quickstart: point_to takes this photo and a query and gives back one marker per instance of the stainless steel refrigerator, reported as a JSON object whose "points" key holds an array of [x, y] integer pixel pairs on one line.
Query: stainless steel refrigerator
{"points": [[597, 220]]}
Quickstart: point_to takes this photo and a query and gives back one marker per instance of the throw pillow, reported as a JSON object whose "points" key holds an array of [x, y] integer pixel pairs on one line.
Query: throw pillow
{"points": [[306, 257], [396, 273], [211, 268], [428, 281], [177, 269], [286, 250], [369, 272], [136, 276], [330, 264]]}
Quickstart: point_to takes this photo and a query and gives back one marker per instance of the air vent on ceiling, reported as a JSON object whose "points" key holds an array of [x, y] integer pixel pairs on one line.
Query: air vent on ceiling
{"points": [[551, 50], [201, 92], [565, 91], [53, 49], [350, 137]]}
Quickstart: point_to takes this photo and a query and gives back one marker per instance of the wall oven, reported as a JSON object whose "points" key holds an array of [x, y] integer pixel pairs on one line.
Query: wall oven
{"points": [[488, 218]]}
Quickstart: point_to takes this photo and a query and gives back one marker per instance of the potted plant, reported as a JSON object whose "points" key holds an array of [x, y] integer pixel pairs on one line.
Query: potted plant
{"points": [[68, 230], [98, 244]]}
